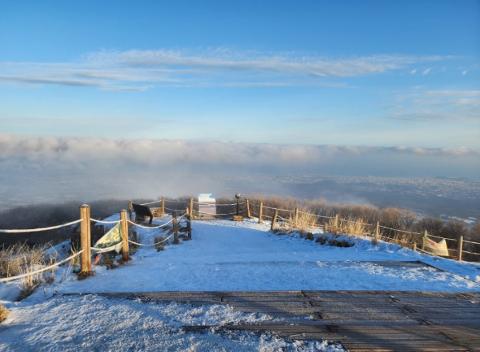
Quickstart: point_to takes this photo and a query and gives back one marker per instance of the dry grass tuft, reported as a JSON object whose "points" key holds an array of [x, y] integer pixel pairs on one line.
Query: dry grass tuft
{"points": [[404, 239], [353, 227], [305, 221], [22, 259], [3, 313], [14, 260]]}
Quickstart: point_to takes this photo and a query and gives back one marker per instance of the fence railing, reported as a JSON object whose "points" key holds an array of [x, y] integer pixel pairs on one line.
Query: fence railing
{"points": [[334, 223], [189, 210], [411, 239], [173, 227]]}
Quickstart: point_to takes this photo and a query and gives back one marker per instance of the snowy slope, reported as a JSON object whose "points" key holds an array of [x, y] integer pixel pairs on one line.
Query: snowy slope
{"points": [[225, 255]]}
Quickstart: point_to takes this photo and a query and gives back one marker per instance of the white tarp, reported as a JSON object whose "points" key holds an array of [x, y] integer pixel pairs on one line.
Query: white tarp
{"points": [[113, 238], [437, 248]]}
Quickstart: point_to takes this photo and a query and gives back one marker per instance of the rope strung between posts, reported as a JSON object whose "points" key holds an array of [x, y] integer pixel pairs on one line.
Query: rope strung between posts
{"points": [[442, 238], [105, 221], [159, 226], [170, 209], [11, 278], [150, 227], [151, 245], [279, 209], [473, 253], [356, 222], [175, 201], [317, 215], [283, 219], [224, 214], [219, 204], [472, 242], [40, 229], [391, 228], [148, 203]]}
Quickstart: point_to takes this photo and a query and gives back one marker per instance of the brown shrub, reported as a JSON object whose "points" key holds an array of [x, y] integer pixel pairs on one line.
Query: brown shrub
{"points": [[305, 221], [353, 226], [3, 313]]}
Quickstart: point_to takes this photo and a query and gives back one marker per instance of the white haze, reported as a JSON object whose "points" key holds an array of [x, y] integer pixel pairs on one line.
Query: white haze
{"points": [[34, 169]]}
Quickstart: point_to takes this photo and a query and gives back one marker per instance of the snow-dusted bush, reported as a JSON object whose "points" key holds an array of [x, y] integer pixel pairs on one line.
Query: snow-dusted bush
{"points": [[3, 313]]}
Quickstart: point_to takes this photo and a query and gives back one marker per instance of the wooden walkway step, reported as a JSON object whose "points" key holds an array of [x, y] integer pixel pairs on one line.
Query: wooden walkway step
{"points": [[359, 320]]}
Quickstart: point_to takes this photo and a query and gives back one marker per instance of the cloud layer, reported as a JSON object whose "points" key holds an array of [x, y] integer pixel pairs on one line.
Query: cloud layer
{"points": [[154, 151], [35, 169], [143, 69]]}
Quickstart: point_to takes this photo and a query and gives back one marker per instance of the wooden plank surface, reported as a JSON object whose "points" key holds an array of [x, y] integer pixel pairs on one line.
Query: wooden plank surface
{"points": [[360, 320]]}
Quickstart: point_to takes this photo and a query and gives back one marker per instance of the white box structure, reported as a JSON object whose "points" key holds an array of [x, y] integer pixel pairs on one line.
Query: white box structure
{"points": [[206, 204]]}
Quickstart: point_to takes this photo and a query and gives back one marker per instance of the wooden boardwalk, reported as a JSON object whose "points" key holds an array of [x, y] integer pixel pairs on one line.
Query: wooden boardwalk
{"points": [[360, 320]]}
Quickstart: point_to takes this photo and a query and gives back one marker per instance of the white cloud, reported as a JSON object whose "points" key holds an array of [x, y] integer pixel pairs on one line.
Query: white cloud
{"points": [[440, 104], [426, 71], [142, 69], [155, 151]]}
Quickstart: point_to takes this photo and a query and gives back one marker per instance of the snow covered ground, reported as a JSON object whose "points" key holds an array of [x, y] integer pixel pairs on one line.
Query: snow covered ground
{"points": [[223, 255], [93, 323], [226, 255]]}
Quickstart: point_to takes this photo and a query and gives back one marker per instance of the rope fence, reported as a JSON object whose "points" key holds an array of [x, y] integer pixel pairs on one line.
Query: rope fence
{"points": [[40, 229], [263, 212], [105, 221], [151, 245], [50, 267], [335, 224]]}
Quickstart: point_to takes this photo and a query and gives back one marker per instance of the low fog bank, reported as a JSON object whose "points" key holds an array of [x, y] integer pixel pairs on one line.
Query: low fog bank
{"points": [[50, 170]]}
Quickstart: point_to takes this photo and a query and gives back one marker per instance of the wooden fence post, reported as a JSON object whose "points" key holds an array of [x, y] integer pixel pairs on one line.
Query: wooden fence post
{"points": [[162, 206], [247, 204], [260, 213], [85, 241], [377, 231], [124, 233], [424, 239], [130, 209], [336, 223], [414, 246], [460, 248], [175, 228], [274, 219], [190, 207], [296, 218], [189, 225]]}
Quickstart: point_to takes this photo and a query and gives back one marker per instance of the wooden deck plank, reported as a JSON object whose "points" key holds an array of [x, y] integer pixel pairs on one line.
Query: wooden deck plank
{"points": [[360, 320]]}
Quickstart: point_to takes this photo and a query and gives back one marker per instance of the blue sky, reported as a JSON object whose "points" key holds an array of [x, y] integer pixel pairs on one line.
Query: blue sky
{"points": [[370, 73]]}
